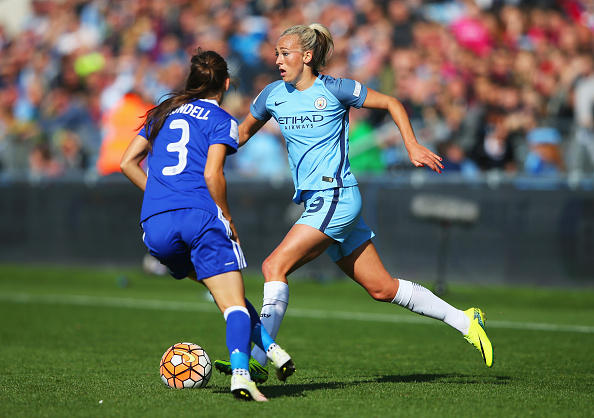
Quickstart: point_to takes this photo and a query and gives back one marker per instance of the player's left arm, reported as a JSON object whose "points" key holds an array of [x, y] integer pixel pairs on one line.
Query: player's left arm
{"points": [[214, 177], [418, 154], [130, 163]]}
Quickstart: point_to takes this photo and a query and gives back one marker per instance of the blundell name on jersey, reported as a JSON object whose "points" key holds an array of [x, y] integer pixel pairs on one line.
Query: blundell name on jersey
{"points": [[192, 110]]}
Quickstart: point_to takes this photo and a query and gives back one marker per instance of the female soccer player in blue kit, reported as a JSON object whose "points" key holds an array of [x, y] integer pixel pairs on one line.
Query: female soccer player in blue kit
{"points": [[312, 111], [185, 216]]}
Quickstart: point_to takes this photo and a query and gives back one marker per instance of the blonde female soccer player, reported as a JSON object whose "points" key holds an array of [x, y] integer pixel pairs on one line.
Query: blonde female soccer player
{"points": [[185, 217], [312, 111]]}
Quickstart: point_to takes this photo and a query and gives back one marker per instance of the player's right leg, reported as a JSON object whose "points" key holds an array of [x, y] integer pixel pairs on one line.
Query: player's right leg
{"points": [[281, 361], [302, 244]]}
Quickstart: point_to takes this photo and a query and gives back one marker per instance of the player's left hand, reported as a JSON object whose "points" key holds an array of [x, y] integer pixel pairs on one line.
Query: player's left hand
{"points": [[420, 156]]}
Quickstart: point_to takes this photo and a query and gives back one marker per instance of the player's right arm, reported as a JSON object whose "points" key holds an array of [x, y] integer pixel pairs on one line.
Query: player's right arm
{"points": [[248, 128], [130, 163]]}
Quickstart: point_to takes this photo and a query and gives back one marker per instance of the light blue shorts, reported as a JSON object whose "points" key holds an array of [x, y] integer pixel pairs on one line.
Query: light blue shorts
{"points": [[192, 239], [337, 213]]}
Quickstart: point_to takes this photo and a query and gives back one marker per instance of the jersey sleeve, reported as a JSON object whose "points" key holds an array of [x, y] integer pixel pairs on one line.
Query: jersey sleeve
{"points": [[258, 107], [226, 132], [348, 92], [142, 132]]}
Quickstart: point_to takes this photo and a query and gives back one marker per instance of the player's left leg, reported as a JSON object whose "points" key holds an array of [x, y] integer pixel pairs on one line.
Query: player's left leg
{"points": [[364, 266]]}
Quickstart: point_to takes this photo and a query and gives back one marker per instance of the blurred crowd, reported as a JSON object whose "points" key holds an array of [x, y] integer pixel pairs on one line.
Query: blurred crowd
{"points": [[491, 85]]}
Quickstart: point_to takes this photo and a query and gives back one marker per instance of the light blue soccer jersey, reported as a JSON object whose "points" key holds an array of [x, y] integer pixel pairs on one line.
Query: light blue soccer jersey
{"points": [[315, 125], [176, 163]]}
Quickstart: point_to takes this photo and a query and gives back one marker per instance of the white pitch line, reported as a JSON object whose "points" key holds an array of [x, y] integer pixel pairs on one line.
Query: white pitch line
{"points": [[374, 317], [154, 304], [104, 301]]}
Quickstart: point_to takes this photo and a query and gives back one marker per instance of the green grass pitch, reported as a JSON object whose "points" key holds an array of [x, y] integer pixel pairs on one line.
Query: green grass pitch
{"points": [[82, 341]]}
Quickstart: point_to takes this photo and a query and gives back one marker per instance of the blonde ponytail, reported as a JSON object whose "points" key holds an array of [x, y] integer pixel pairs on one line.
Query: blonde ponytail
{"points": [[315, 38]]}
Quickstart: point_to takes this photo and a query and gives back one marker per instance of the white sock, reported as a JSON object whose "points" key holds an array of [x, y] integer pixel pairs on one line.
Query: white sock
{"points": [[242, 372], [274, 306], [420, 300], [272, 347]]}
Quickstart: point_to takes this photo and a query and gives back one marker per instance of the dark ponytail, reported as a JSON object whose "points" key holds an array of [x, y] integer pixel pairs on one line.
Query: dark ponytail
{"points": [[206, 80]]}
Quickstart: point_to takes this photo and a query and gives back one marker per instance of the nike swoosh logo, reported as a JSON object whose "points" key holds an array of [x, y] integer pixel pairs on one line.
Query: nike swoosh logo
{"points": [[191, 357], [279, 103]]}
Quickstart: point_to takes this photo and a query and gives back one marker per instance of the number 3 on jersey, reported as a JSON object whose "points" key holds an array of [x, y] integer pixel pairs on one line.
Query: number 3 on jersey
{"points": [[179, 147]]}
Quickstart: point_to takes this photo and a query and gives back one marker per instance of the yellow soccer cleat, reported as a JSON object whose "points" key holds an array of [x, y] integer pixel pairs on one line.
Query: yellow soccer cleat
{"points": [[477, 335], [246, 390], [259, 374]]}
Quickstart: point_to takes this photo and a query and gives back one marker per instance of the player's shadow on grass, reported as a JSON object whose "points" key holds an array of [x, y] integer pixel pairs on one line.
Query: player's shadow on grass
{"points": [[444, 378], [300, 389]]}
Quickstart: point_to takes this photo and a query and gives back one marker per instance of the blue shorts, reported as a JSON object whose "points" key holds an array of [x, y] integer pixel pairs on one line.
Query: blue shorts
{"points": [[192, 239], [337, 213]]}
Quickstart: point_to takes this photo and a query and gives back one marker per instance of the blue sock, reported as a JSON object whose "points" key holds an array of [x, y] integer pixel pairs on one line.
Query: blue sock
{"points": [[260, 336], [238, 336]]}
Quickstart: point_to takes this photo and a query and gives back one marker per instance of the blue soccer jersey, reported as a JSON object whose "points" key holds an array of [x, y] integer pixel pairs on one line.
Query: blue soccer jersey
{"points": [[176, 163], [315, 125]]}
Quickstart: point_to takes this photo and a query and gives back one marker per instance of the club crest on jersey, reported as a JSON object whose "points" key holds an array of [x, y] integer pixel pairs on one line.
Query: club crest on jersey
{"points": [[320, 103]]}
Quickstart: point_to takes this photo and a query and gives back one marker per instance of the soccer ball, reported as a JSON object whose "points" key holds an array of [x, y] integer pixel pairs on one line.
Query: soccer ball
{"points": [[185, 365]]}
